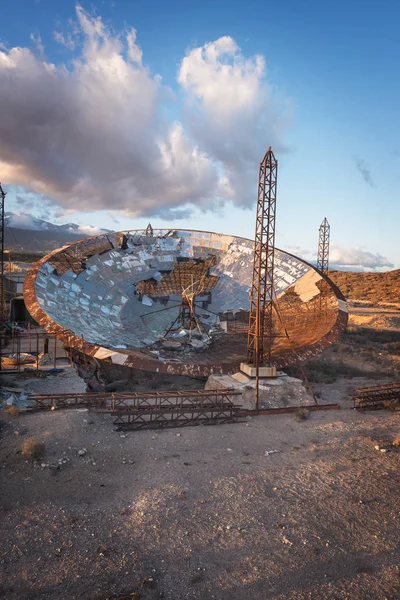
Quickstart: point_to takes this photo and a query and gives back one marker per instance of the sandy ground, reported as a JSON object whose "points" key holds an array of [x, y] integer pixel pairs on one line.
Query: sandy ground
{"points": [[202, 513]]}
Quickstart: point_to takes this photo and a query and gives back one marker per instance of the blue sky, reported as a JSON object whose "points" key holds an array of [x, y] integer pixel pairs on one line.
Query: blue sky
{"points": [[326, 97]]}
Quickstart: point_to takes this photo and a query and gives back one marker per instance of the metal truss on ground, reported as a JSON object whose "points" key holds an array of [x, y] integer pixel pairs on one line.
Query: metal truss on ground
{"points": [[151, 410], [175, 409], [378, 397]]}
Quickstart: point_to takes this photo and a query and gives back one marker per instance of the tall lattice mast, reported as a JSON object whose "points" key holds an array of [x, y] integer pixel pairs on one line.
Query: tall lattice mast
{"points": [[323, 247], [2, 299], [260, 334]]}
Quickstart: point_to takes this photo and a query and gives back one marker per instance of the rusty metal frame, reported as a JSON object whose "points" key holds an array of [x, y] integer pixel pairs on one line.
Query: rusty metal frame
{"points": [[171, 409], [375, 398], [323, 247], [160, 409], [30, 343], [260, 332]]}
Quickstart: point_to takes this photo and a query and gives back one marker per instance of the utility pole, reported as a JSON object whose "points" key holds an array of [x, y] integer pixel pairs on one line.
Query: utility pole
{"points": [[323, 247]]}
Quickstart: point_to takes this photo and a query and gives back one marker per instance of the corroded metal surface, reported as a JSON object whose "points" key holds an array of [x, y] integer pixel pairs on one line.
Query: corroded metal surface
{"points": [[313, 309], [377, 397]]}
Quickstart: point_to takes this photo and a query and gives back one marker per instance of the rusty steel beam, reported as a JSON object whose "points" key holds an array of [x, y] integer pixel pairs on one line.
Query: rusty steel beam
{"points": [[112, 402], [288, 409]]}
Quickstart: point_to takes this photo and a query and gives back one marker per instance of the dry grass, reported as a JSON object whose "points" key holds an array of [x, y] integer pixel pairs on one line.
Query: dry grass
{"points": [[33, 449], [13, 411], [392, 405]]}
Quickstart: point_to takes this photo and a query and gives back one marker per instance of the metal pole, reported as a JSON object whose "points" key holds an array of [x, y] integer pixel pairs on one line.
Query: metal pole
{"points": [[2, 301]]}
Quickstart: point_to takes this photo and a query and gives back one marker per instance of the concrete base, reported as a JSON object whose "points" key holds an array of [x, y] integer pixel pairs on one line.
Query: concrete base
{"points": [[262, 371], [273, 392]]}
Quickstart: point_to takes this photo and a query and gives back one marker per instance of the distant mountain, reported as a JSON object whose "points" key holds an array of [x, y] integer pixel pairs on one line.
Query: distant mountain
{"points": [[26, 233]]}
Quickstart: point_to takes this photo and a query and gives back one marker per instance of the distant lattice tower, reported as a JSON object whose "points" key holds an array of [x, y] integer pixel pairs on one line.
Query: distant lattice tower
{"points": [[323, 247], [260, 336]]}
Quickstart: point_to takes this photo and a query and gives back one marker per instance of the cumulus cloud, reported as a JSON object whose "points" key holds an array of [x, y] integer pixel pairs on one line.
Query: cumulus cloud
{"points": [[90, 134], [357, 258], [21, 221], [365, 171], [232, 112]]}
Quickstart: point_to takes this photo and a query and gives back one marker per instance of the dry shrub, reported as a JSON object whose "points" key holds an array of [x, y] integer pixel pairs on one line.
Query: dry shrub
{"points": [[302, 413], [13, 411], [33, 449], [391, 405]]}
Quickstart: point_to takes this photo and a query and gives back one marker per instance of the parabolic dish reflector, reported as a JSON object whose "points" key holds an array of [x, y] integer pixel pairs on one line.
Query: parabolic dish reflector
{"points": [[177, 301]]}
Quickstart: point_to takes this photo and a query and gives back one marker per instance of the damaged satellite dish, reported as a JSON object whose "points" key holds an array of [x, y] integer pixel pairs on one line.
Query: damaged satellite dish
{"points": [[177, 301]]}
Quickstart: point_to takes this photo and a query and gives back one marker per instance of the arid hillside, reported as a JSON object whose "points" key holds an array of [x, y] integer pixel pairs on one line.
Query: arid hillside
{"points": [[369, 287]]}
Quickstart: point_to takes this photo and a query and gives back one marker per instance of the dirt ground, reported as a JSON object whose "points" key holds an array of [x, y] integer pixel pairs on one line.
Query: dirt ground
{"points": [[202, 513], [208, 513]]}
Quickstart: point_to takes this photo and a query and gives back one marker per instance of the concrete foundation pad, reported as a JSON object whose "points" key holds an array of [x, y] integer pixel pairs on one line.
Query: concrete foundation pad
{"points": [[262, 371], [277, 392]]}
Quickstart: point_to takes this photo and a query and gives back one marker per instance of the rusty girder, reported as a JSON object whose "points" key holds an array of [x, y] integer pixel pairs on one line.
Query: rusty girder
{"points": [[376, 397], [147, 410]]}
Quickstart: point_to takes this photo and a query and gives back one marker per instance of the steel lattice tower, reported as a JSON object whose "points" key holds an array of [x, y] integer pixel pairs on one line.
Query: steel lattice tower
{"points": [[2, 299], [260, 334], [323, 247]]}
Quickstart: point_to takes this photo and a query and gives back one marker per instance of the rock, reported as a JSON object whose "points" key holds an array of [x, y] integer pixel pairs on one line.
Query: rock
{"points": [[119, 385], [82, 452], [171, 345]]}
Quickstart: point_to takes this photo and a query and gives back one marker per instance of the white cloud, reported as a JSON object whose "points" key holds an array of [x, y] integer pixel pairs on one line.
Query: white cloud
{"points": [[89, 135], [357, 259], [65, 40], [21, 221], [233, 113], [88, 230]]}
